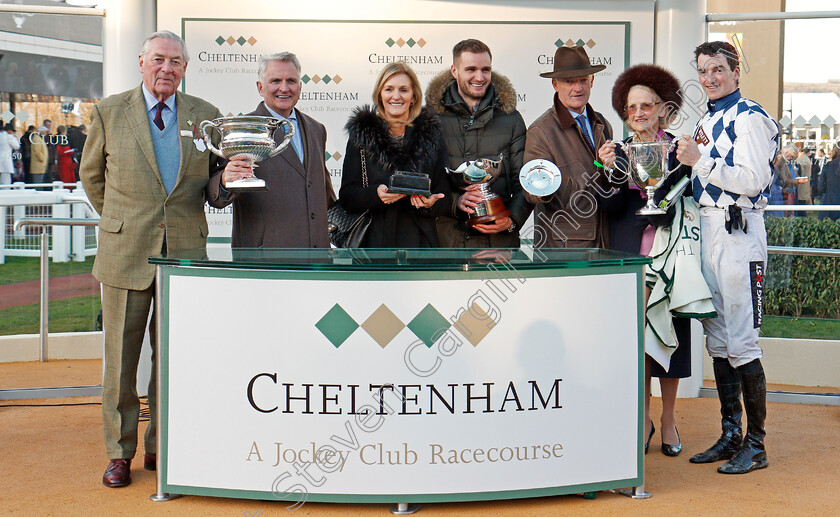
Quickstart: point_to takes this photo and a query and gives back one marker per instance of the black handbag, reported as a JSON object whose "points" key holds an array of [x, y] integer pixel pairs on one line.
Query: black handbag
{"points": [[347, 230]]}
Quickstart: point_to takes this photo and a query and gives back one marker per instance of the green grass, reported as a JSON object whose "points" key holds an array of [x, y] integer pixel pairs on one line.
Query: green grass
{"points": [[802, 328], [22, 269], [70, 315]]}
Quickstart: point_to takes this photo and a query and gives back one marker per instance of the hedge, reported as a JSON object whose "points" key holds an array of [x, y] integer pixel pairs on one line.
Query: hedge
{"points": [[797, 285]]}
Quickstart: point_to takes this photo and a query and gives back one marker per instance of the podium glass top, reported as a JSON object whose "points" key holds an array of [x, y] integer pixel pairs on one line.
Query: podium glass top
{"points": [[393, 259]]}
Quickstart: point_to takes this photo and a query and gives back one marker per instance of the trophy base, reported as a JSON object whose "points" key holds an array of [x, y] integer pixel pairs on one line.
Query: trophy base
{"points": [[246, 185], [409, 191], [489, 218], [650, 211]]}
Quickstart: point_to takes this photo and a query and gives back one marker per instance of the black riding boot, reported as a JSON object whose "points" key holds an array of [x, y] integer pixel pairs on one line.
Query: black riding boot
{"points": [[752, 455], [729, 390]]}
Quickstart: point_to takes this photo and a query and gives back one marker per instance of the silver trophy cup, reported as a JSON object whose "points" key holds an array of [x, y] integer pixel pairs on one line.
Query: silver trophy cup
{"points": [[251, 137], [647, 166], [482, 172]]}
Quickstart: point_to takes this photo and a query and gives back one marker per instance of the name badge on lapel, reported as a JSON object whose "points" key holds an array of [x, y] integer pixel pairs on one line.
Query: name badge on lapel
{"points": [[198, 139]]}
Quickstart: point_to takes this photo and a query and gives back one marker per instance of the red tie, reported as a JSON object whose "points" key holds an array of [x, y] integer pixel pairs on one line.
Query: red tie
{"points": [[159, 115]]}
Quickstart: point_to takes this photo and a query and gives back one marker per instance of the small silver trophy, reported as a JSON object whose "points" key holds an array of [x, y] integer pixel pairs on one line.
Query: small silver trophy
{"points": [[251, 137], [481, 172], [540, 177], [648, 167]]}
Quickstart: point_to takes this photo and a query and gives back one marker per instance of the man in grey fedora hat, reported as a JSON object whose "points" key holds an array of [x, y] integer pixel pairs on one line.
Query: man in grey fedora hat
{"points": [[569, 134]]}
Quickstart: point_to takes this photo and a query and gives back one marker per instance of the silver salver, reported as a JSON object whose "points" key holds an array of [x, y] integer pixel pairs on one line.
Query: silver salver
{"points": [[250, 137], [540, 177]]}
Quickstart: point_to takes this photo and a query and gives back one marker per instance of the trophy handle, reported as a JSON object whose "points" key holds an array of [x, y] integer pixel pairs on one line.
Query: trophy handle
{"points": [[674, 143], [204, 126], [286, 139]]}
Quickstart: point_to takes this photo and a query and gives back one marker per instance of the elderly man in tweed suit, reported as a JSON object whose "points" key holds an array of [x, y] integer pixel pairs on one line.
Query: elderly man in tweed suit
{"points": [[145, 172]]}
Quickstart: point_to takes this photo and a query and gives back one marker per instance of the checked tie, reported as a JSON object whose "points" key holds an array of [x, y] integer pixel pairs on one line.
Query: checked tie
{"points": [[159, 114], [581, 120]]}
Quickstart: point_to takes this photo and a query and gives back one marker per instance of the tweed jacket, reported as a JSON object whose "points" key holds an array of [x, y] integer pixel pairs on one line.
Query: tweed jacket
{"points": [[571, 217], [120, 175], [292, 213]]}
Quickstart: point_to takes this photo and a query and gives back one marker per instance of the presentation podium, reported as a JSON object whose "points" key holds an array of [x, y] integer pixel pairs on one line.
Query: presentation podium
{"points": [[399, 376]]}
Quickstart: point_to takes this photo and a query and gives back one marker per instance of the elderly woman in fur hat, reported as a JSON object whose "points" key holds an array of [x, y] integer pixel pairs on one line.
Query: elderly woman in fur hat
{"points": [[646, 98], [395, 134]]}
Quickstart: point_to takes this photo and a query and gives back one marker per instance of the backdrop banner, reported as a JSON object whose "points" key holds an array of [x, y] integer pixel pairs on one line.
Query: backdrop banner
{"points": [[340, 61]]}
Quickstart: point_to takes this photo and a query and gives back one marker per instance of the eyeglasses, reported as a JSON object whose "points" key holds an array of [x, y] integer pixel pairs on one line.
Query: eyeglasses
{"points": [[645, 106]]}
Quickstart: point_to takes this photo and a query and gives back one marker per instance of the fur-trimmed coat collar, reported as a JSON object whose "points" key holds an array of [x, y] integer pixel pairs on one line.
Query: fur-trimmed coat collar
{"points": [[502, 89], [420, 144]]}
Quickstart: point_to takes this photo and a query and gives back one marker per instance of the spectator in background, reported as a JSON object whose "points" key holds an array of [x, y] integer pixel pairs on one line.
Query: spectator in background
{"points": [[816, 172], [26, 150], [39, 156], [830, 184], [77, 137], [9, 143], [784, 176], [52, 154], [66, 167], [803, 190]]}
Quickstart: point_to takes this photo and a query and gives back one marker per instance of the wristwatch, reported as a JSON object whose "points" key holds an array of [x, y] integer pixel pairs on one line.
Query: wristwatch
{"points": [[512, 226]]}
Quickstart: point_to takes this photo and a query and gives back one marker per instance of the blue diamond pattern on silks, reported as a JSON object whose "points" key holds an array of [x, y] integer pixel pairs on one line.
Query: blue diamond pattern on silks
{"points": [[713, 192], [730, 131], [717, 129], [696, 188], [714, 153], [730, 157]]}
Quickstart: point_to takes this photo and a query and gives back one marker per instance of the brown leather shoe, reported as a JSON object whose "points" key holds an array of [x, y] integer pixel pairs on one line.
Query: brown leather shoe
{"points": [[150, 461], [118, 473]]}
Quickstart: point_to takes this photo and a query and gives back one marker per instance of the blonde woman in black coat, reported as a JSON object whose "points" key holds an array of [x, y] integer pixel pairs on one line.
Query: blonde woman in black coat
{"points": [[395, 134]]}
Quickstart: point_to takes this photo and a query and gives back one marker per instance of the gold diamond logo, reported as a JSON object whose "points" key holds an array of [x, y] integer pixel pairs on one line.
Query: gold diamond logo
{"points": [[475, 324], [421, 42], [383, 325], [336, 155], [252, 40], [401, 42], [570, 43], [337, 78], [316, 78], [230, 40], [590, 43]]}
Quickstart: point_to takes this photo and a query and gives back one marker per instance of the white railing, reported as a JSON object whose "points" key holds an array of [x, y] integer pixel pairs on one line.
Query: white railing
{"points": [[56, 200]]}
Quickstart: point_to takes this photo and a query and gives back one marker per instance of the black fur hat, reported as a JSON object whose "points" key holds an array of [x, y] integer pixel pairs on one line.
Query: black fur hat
{"points": [[654, 77]]}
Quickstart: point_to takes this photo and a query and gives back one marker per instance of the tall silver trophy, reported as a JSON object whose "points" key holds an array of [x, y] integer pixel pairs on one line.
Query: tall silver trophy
{"points": [[647, 165], [482, 172], [248, 136]]}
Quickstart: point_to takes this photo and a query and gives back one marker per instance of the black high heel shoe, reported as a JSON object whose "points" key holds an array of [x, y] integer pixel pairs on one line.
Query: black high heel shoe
{"points": [[672, 450], [652, 430]]}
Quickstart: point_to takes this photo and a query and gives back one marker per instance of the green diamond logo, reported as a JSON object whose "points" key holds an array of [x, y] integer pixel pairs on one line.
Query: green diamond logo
{"points": [[580, 43], [305, 79], [220, 40], [326, 79], [241, 41], [411, 42], [327, 155], [390, 42], [559, 43], [336, 325], [428, 324]]}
